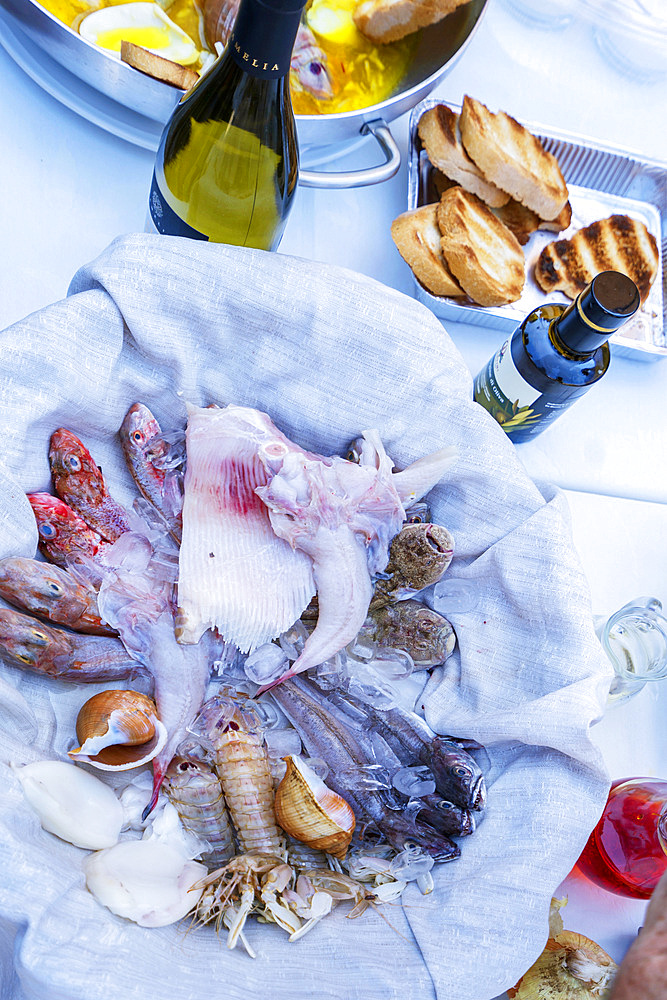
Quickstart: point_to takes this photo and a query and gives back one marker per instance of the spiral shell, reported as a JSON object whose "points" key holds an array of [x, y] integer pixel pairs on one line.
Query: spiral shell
{"points": [[118, 730], [310, 812]]}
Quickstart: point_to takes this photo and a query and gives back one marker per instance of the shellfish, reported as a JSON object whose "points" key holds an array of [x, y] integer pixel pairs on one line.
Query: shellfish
{"points": [[312, 813], [118, 730]]}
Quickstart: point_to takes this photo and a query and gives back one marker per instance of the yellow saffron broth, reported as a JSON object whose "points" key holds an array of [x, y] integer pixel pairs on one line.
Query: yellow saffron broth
{"points": [[361, 73]]}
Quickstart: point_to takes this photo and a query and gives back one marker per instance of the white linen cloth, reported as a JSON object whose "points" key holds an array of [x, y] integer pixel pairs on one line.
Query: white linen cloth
{"points": [[327, 353]]}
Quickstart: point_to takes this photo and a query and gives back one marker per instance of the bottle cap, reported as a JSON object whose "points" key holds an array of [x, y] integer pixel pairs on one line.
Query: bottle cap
{"points": [[603, 307]]}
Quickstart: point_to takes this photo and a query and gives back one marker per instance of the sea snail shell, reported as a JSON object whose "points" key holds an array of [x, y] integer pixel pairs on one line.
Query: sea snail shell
{"points": [[310, 812], [118, 730]]}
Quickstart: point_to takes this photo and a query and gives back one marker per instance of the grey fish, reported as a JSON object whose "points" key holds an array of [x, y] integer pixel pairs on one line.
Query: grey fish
{"points": [[52, 593], [447, 817], [425, 634], [64, 655], [458, 776], [346, 750]]}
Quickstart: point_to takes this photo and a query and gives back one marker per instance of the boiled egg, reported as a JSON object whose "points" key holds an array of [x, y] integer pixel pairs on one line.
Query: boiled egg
{"points": [[144, 24], [332, 20]]}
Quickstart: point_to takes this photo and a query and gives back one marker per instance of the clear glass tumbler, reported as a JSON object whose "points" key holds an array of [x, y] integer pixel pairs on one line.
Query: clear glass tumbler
{"points": [[635, 640]]}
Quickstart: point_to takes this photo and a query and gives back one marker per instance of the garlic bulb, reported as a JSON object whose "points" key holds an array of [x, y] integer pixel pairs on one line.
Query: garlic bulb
{"points": [[571, 967], [72, 804], [145, 881]]}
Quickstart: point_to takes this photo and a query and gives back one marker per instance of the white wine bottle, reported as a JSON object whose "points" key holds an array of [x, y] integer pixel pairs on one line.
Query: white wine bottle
{"points": [[227, 165], [555, 355]]}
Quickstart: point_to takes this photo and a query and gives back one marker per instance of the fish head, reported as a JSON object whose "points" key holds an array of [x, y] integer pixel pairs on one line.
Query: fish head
{"points": [[68, 455], [138, 427], [457, 775], [24, 638]]}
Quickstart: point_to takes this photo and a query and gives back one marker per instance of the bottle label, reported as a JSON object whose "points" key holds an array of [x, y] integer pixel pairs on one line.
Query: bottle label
{"points": [[165, 219], [520, 408], [261, 41]]}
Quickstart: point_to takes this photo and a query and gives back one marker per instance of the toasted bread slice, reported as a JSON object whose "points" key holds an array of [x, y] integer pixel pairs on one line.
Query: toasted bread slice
{"points": [[157, 66], [513, 159], [439, 132], [417, 237], [562, 221], [518, 219], [389, 20], [618, 243], [481, 252]]}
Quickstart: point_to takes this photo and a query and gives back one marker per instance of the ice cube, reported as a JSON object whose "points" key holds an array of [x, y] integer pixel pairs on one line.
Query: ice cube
{"points": [[282, 742], [416, 781], [364, 778], [394, 664], [411, 864], [361, 648], [454, 596], [294, 639], [266, 663]]}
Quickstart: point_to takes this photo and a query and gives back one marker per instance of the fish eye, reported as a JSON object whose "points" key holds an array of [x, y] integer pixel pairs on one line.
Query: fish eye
{"points": [[54, 588], [39, 636], [24, 658], [47, 530], [72, 462], [352, 456], [460, 771], [415, 519], [445, 806], [137, 437]]}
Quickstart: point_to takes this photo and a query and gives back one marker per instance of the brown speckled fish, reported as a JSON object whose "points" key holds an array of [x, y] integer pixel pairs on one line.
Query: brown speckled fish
{"points": [[79, 482], [26, 642], [418, 557], [51, 593], [426, 635], [63, 535]]}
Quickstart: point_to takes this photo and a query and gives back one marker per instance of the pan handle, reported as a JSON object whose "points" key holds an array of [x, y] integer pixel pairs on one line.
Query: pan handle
{"points": [[360, 178]]}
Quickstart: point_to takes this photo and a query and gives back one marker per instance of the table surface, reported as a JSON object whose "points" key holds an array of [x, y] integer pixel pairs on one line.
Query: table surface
{"points": [[69, 188]]}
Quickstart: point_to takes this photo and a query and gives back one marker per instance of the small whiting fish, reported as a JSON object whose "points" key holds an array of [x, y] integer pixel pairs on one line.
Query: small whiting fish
{"points": [[423, 633], [64, 655], [52, 593], [458, 776], [447, 817], [195, 791], [63, 535], [144, 448], [79, 482], [419, 555], [346, 750], [309, 66]]}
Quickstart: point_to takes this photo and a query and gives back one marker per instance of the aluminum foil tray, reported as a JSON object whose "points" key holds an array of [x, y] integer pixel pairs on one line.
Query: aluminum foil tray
{"points": [[602, 181]]}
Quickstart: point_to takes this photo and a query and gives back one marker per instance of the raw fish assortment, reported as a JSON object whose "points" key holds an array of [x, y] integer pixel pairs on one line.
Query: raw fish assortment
{"points": [[261, 605]]}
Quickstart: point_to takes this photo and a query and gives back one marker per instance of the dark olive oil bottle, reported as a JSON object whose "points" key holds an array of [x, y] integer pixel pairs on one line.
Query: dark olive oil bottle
{"points": [[555, 356]]}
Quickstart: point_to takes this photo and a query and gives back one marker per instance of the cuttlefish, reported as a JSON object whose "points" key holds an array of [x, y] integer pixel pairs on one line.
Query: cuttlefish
{"points": [[266, 524]]}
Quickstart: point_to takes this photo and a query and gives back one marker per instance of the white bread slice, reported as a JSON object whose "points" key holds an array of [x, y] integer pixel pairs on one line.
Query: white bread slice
{"points": [[417, 237], [513, 159], [439, 132], [389, 20], [618, 243], [481, 252]]}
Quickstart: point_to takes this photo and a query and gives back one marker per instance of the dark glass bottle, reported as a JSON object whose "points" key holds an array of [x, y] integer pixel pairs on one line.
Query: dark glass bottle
{"points": [[227, 165], [555, 356]]}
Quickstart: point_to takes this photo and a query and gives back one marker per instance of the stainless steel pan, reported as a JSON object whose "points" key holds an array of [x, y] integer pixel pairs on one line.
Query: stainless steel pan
{"points": [[439, 47]]}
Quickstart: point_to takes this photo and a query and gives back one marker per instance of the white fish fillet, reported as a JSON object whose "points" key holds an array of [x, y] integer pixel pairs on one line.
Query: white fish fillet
{"points": [[235, 574]]}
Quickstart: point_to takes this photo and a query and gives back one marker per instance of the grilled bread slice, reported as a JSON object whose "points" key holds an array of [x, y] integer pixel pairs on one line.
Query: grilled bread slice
{"points": [[523, 222], [389, 20], [417, 237], [618, 243], [481, 252], [513, 159], [157, 66], [439, 132]]}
